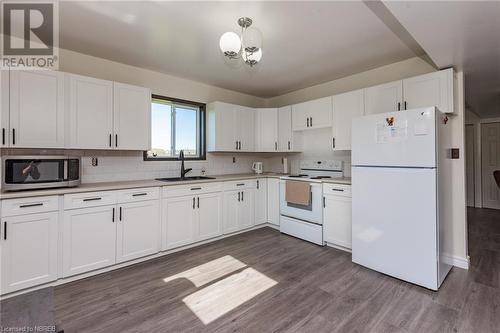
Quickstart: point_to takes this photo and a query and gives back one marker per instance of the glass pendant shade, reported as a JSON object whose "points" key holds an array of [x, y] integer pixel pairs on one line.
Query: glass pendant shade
{"points": [[252, 58], [252, 39], [230, 44]]}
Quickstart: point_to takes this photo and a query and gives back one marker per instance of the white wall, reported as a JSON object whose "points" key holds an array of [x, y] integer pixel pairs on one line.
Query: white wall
{"points": [[397, 71], [159, 83]]}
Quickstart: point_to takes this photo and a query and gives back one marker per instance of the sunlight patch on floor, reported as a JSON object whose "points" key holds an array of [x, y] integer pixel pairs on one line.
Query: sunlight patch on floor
{"points": [[225, 295], [210, 271]]}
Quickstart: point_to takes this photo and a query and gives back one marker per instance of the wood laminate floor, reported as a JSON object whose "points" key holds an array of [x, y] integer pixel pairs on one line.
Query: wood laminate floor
{"points": [[262, 281]]}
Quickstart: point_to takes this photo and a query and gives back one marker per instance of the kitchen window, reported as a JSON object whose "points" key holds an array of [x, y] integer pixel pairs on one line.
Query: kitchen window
{"points": [[176, 125]]}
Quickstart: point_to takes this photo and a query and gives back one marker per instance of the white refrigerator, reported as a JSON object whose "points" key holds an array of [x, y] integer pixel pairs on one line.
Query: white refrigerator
{"points": [[395, 194]]}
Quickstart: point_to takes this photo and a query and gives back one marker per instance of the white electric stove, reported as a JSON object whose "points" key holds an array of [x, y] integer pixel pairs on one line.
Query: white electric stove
{"points": [[306, 222]]}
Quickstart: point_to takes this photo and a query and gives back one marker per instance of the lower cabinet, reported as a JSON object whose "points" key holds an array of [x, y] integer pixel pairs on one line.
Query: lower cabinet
{"points": [[261, 201], [239, 211], [89, 239], [337, 215], [190, 219], [137, 230], [273, 201], [29, 250]]}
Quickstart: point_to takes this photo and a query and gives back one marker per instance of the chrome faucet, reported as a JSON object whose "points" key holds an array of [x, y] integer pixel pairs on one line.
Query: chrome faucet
{"points": [[183, 171]]}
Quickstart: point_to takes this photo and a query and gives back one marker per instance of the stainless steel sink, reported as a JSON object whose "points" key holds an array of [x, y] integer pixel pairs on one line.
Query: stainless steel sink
{"points": [[179, 179]]}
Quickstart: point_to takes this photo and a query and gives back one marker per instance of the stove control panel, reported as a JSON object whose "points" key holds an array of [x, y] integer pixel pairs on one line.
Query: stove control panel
{"points": [[326, 165]]}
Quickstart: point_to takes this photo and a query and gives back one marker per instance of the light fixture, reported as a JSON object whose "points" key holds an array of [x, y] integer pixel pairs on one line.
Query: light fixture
{"points": [[248, 45]]}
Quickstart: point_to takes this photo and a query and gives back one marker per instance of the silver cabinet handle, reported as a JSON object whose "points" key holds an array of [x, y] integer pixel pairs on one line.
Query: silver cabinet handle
{"points": [[194, 202], [139, 194], [242, 196], [92, 199], [239, 194], [338, 189], [198, 202], [195, 188]]}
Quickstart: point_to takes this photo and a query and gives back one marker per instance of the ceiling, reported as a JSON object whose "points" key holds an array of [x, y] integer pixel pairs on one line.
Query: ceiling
{"points": [[305, 43], [462, 34]]}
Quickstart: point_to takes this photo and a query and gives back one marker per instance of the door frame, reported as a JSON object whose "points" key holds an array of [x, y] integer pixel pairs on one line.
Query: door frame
{"points": [[480, 155], [473, 163]]}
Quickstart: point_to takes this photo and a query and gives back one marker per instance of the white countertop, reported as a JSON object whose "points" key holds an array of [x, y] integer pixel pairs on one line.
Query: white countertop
{"points": [[121, 185]]}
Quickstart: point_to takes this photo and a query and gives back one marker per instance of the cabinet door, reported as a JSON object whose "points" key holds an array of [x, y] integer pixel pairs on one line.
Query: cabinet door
{"points": [[178, 221], [221, 127], [138, 230], [320, 113], [90, 112], [89, 239], [209, 210], [29, 250], [261, 201], [433, 89], [337, 221], [37, 109], [346, 107], [246, 211], [231, 205], [246, 128], [266, 129], [384, 98], [300, 116], [273, 201], [285, 139], [4, 108], [132, 117]]}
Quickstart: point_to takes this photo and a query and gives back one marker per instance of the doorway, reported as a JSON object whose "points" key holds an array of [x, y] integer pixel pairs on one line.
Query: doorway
{"points": [[490, 150], [470, 169]]}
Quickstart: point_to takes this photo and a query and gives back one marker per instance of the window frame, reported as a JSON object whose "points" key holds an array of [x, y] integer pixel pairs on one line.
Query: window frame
{"points": [[201, 133]]}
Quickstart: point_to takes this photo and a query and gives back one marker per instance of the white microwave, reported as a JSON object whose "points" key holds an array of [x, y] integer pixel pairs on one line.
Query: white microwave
{"points": [[39, 172]]}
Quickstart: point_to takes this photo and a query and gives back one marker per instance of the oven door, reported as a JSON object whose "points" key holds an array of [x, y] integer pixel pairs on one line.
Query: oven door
{"points": [[312, 213], [31, 172]]}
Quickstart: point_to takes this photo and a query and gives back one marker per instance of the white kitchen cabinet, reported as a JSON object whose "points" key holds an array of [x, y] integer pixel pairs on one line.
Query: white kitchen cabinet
{"points": [[28, 250], [89, 239], [178, 221], [337, 215], [4, 108], [346, 107], [90, 105], [131, 117], [312, 114], [138, 230], [209, 216], [383, 98], [230, 127], [239, 211], [273, 201], [245, 129], [433, 89], [266, 130], [36, 109], [260, 201], [285, 133]]}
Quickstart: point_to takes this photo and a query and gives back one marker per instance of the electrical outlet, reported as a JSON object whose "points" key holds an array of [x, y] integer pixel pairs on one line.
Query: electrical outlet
{"points": [[95, 161], [234, 159]]}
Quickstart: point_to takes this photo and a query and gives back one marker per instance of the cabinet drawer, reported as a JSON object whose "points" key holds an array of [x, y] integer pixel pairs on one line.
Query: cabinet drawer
{"points": [[23, 206], [138, 194], [191, 189], [89, 199], [240, 184], [337, 189]]}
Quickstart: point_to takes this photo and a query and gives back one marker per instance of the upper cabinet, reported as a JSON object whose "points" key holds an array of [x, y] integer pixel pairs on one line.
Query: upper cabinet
{"points": [[230, 127], [36, 113], [383, 98], [266, 130], [285, 134], [346, 107], [90, 106], [433, 89], [312, 114], [107, 115], [131, 117]]}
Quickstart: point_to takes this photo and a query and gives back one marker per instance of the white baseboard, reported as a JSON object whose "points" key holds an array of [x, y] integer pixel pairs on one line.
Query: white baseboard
{"points": [[456, 261]]}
